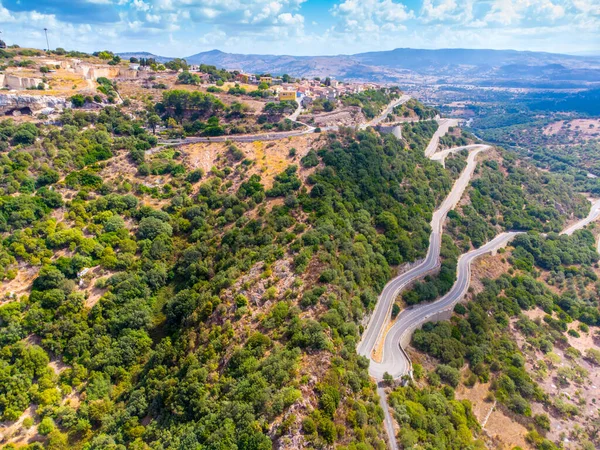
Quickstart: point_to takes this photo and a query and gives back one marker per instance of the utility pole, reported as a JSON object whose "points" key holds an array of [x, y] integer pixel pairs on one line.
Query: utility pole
{"points": [[47, 44]]}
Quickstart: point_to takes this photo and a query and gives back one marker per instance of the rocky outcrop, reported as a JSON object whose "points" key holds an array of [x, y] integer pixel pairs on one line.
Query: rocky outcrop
{"points": [[16, 82], [90, 72], [16, 103], [348, 117], [128, 73], [11, 81]]}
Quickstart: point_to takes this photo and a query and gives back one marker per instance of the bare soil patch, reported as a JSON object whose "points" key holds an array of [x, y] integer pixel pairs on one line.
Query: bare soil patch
{"points": [[18, 286], [16, 433], [585, 395], [578, 128], [271, 157], [476, 395], [506, 432], [487, 267], [348, 116]]}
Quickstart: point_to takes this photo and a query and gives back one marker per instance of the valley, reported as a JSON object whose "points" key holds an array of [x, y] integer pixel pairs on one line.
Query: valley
{"points": [[191, 259]]}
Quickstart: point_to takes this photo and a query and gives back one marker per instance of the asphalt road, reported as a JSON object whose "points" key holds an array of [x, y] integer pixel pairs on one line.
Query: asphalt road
{"points": [[308, 129], [377, 120], [443, 154], [444, 124], [394, 361], [388, 422], [382, 313], [233, 138], [593, 215]]}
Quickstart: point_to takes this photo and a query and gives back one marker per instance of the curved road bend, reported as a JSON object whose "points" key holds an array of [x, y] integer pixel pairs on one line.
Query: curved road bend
{"points": [[443, 154], [394, 361], [593, 215], [275, 136], [377, 120], [444, 125], [381, 314]]}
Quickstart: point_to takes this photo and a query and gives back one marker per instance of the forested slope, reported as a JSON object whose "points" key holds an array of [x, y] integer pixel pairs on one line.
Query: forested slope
{"points": [[150, 303], [528, 340], [206, 311]]}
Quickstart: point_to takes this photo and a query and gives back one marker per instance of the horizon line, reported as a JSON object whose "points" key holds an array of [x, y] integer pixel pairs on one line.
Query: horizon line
{"points": [[582, 53]]}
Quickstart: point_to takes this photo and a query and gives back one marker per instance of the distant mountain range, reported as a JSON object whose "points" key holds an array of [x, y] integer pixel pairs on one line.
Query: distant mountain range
{"points": [[502, 66]]}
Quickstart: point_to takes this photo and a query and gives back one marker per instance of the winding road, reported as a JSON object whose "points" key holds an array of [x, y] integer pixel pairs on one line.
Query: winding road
{"points": [[394, 360], [308, 129], [444, 125], [443, 154], [382, 313], [381, 117], [593, 215]]}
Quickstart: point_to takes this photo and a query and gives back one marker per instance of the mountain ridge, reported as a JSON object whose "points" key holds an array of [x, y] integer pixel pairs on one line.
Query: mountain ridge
{"points": [[393, 65]]}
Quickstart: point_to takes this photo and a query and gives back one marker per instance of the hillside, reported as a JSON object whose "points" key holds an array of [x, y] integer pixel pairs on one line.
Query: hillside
{"points": [[396, 64], [186, 298], [169, 280]]}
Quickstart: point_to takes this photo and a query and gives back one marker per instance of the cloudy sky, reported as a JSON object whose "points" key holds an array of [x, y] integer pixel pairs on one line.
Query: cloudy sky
{"points": [[302, 27]]}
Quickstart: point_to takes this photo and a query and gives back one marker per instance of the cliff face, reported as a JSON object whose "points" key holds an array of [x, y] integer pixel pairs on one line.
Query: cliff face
{"points": [[94, 72], [9, 103], [16, 82]]}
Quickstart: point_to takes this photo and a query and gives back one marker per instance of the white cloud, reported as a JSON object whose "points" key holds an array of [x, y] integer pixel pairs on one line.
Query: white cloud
{"points": [[371, 15], [231, 11], [278, 26], [5, 15], [152, 18], [552, 11], [510, 12], [439, 10], [504, 12], [587, 6], [290, 19], [140, 5]]}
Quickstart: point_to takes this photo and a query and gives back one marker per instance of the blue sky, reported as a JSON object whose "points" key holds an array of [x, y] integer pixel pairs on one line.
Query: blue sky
{"points": [[302, 27]]}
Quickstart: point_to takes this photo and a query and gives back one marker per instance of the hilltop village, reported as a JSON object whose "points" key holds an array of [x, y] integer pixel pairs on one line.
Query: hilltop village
{"points": [[45, 82]]}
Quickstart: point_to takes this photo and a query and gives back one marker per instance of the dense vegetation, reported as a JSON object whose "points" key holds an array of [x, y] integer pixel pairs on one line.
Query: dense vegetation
{"points": [[511, 195], [413, 106], [372, 101], [221, 310], [199, 334], [433, 418], [188, 113], [480, 337]]}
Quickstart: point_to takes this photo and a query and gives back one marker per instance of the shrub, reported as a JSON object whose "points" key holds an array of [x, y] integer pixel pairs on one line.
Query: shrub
{"points": [[195, 175], [150, 227], [460, 309], [46, 426], [448, 374], [310, 160], [542, 421], [308, 425], [593, 355], [77, 100]]}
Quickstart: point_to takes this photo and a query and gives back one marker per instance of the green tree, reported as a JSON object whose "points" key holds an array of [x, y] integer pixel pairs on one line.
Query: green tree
{"points": [[46, 426], [153, 121]]}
